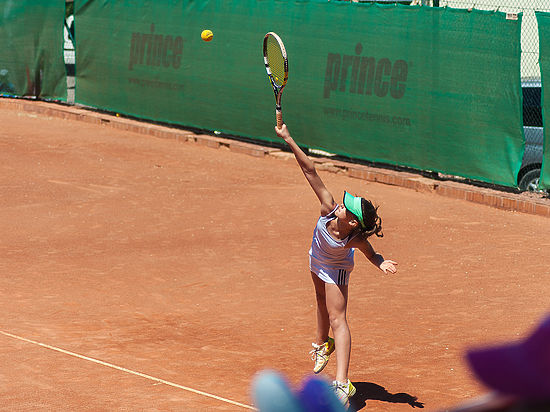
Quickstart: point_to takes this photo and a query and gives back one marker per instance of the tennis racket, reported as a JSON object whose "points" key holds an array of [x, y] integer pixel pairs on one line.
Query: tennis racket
{"points": [[276, 65]]}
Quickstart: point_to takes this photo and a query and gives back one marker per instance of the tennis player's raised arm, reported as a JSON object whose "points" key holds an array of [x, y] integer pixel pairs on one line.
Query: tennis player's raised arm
{"points": [[308, 168]]}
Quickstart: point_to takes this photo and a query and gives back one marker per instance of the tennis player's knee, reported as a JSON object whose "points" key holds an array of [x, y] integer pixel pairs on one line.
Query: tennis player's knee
{"points": [[337, 320]]}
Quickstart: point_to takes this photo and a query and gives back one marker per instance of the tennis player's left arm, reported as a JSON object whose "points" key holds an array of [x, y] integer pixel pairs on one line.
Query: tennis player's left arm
{"points": [[386, 266]]}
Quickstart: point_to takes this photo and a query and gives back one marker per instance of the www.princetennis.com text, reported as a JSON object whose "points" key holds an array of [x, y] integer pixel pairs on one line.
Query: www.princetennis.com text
{"points": [[346, 114], [157, 84]]}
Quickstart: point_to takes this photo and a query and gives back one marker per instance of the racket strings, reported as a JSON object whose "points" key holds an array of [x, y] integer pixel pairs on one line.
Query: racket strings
{"points": [[276, 61]]}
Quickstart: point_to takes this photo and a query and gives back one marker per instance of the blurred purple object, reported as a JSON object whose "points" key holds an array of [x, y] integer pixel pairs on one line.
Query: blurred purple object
{"points": [[519, 369], [317, 395]]}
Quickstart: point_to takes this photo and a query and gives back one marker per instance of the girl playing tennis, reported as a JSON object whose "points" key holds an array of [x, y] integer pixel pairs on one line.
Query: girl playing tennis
{"points": [[340, 230]]}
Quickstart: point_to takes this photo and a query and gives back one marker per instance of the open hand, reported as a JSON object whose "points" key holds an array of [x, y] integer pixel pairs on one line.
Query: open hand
{"points": [[388, 266]]}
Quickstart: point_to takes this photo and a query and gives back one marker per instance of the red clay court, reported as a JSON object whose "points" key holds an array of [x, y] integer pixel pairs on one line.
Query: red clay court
{"points": [[158, 274]]}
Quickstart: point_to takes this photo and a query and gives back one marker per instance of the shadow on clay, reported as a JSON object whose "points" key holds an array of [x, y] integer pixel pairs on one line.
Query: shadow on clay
{"points": [[371, 391]]}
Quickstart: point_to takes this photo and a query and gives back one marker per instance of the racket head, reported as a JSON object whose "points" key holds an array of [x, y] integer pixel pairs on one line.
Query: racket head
{"points": [[276, 61]]}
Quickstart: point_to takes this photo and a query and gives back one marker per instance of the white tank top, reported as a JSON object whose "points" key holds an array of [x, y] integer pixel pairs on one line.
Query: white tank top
{"points": [[327, 251]]}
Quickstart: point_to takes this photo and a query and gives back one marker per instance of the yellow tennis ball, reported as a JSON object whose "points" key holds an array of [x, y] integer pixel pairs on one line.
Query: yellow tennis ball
{"points": [[207, 35]]}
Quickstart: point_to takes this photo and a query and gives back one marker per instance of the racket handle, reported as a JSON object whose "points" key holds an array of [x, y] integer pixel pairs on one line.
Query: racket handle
{"points": [[279, 116]]}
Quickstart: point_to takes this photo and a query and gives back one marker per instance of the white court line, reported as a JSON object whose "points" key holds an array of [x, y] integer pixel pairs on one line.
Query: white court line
{"points": [[120, 368]]}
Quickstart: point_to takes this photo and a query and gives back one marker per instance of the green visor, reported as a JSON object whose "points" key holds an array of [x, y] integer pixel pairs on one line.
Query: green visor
{"points": [[353, 204]]}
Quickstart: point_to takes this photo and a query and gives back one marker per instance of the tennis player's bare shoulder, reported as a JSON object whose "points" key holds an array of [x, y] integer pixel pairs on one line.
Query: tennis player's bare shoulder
{"points": [[326, 208]]}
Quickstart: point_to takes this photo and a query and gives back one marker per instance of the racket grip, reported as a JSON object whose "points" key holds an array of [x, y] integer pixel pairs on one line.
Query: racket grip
{"points": [[279, 116]]}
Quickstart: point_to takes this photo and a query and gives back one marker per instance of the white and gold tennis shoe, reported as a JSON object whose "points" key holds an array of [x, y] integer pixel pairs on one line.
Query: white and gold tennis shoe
{"points": [[320, 354], [344, 391]]}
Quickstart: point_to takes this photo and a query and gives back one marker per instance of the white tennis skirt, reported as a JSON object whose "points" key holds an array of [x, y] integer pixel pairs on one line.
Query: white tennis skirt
{"points": [[337, 276]]}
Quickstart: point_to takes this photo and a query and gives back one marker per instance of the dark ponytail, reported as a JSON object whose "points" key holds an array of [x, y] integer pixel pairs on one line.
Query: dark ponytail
{"points": [[373, 222]]}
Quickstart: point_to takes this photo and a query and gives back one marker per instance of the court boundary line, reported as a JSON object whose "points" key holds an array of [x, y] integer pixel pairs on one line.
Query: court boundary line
{"points": [[129, 371]]}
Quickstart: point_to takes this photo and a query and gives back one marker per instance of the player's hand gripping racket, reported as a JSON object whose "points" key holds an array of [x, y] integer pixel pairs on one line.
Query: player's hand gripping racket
{"points": [[276, 65]]}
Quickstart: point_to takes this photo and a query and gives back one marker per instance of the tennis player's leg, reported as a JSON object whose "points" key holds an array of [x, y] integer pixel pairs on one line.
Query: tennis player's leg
{"points": [[336, 303], [323, 323], [323, 346]]}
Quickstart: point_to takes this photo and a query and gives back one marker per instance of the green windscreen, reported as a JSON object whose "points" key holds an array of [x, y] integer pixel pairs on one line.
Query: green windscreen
{"points": [[543, 20], [31, 40], [428, 88]]}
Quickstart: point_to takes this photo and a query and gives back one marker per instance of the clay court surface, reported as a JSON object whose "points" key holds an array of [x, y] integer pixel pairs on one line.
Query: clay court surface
{"points": [[125, 254]]}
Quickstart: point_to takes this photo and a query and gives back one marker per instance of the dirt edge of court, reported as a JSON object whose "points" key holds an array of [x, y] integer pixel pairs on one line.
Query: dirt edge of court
{"points": [[525, 202]]}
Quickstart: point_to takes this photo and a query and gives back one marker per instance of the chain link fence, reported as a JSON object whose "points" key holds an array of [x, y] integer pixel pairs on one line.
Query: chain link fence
{"points": [[530, 72], [530, 77]]}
